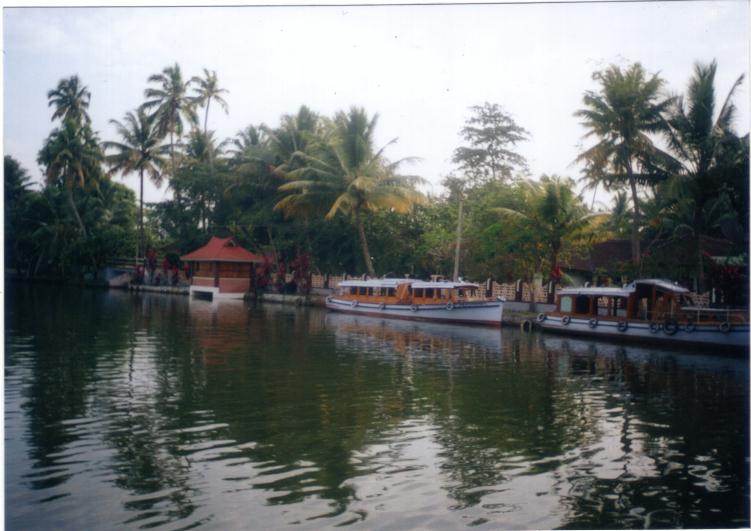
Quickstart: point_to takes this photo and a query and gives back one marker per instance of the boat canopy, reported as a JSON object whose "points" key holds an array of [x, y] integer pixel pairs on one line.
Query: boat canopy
{"points": [[664, 285], [416, 284]]}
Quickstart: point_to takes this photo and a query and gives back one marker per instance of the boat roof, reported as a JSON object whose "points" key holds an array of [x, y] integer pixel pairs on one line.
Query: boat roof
{"points": [[625, 291], [416, 283]]}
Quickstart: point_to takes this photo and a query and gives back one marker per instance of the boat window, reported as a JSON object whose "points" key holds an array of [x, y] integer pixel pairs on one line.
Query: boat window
{"points": [[429, 293], [418, 292], [362, 290], [566, 304], [460, 293], [353, 290], [686, 300], [620, 305], [602, 306], [392, 292], [582, 304], [370, 292]]}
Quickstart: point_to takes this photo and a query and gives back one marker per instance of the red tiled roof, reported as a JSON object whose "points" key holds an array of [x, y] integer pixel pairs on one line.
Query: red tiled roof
{"points": [[221, 250]]}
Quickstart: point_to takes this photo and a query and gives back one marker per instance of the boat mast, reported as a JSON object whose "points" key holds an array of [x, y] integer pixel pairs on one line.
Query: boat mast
{"points": [[458, 239]]}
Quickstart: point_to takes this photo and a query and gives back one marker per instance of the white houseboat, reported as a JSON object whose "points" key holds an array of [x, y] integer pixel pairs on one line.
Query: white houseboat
{"points": [[405, 298], [646, 310]]}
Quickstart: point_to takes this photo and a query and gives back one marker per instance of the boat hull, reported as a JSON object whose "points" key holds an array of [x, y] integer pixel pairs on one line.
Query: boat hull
{"points": [[736, 338], [480, 313]]}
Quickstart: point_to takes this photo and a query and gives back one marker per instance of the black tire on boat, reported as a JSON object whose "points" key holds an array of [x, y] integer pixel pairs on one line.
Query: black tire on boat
{"points": [[541, 317], [593, 323], [449, 306], [381, 306], [654, 327], [690, 326], [353, 304], [566, 320], [526, 325], [622, 326], [670, 327], [413, 307], [725, 327]]}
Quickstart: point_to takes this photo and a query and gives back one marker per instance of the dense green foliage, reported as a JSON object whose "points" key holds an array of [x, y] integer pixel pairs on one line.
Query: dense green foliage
{"points": [[319, 187]]}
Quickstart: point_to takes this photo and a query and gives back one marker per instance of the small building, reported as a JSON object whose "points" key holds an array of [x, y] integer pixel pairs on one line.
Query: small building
{"points": [[221, 269]]}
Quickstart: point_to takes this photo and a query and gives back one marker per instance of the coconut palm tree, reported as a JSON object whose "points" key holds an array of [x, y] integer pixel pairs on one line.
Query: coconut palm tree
{"points": [[621, 115], [353, 178], [71, 100], [71, 158], [171, 104], [558, 215], [206, 88], [140, 150], [706, 147]]}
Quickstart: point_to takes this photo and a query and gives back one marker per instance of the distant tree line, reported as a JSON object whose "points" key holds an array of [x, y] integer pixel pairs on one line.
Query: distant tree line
{"points": [[318, 186]]}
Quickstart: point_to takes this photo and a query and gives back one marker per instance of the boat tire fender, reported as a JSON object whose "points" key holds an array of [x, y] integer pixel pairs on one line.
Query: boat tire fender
{"points": [[670, 327], [354, 304], [381, 306], [413, 307], [725, 327], [593, 323], [566, 320], [654, 327], [328, 298], [622, 326], [449, 305], [526, 325], [690, 326], [541, 317]]}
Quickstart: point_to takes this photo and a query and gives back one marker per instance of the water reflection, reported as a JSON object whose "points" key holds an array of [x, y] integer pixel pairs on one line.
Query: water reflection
{"points": [[151, 411]]}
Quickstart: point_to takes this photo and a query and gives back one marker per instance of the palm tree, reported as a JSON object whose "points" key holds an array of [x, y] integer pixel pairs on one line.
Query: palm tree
{"points": [[706, 147], [557, 214], [70, 100], [171, 104], [354, 179], [206, 89], [139, 151], [71, 157], [621, 115]]}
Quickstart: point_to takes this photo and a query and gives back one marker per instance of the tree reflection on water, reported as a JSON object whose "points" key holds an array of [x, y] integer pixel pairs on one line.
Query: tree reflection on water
{"points": [[169, 410]]}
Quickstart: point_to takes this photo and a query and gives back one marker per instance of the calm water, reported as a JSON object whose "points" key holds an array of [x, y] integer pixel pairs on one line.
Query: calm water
{"points": [[151, 411]]}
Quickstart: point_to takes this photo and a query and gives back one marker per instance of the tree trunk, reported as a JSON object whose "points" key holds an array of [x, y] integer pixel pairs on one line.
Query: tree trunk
{"points": [[141, 239], [635, 244], [206, 118], [75, 211], [364, 244], [699, 264], [458, 240]]}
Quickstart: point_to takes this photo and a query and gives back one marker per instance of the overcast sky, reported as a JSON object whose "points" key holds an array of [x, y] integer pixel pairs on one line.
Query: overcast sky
{"points": [[419, 67]]}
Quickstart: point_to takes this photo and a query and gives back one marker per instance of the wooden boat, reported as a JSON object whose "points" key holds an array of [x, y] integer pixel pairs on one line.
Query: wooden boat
{"points": [[417, 300], [646, 310]]}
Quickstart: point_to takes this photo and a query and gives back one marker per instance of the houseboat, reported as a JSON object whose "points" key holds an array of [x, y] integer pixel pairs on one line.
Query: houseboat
{"points": [[417, 300], [646, 310]]}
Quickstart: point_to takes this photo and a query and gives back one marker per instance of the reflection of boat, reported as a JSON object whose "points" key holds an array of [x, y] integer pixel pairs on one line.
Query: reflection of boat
{"points": [[605, 350], [416, 300], [646, 310], [430, 336]]}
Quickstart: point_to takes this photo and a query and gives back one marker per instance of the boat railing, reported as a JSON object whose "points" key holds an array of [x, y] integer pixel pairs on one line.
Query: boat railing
{"points": [[699, 314]]}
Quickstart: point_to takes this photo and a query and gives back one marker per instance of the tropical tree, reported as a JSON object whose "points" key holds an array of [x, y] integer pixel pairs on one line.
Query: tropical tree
{"points": [[71, 157], [71, 101], [207, 88], [708, 150], [171, 104], [352, 175], [141, 151], [492, 136], [558, 216], [621, 115]]}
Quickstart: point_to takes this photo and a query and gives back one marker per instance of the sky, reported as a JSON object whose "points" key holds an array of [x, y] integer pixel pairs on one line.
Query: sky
{"points": [[420, 67]]}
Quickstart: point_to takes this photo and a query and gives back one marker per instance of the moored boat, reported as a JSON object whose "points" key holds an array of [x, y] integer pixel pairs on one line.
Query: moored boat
{"points": [[417, 300], [650, 310]]}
